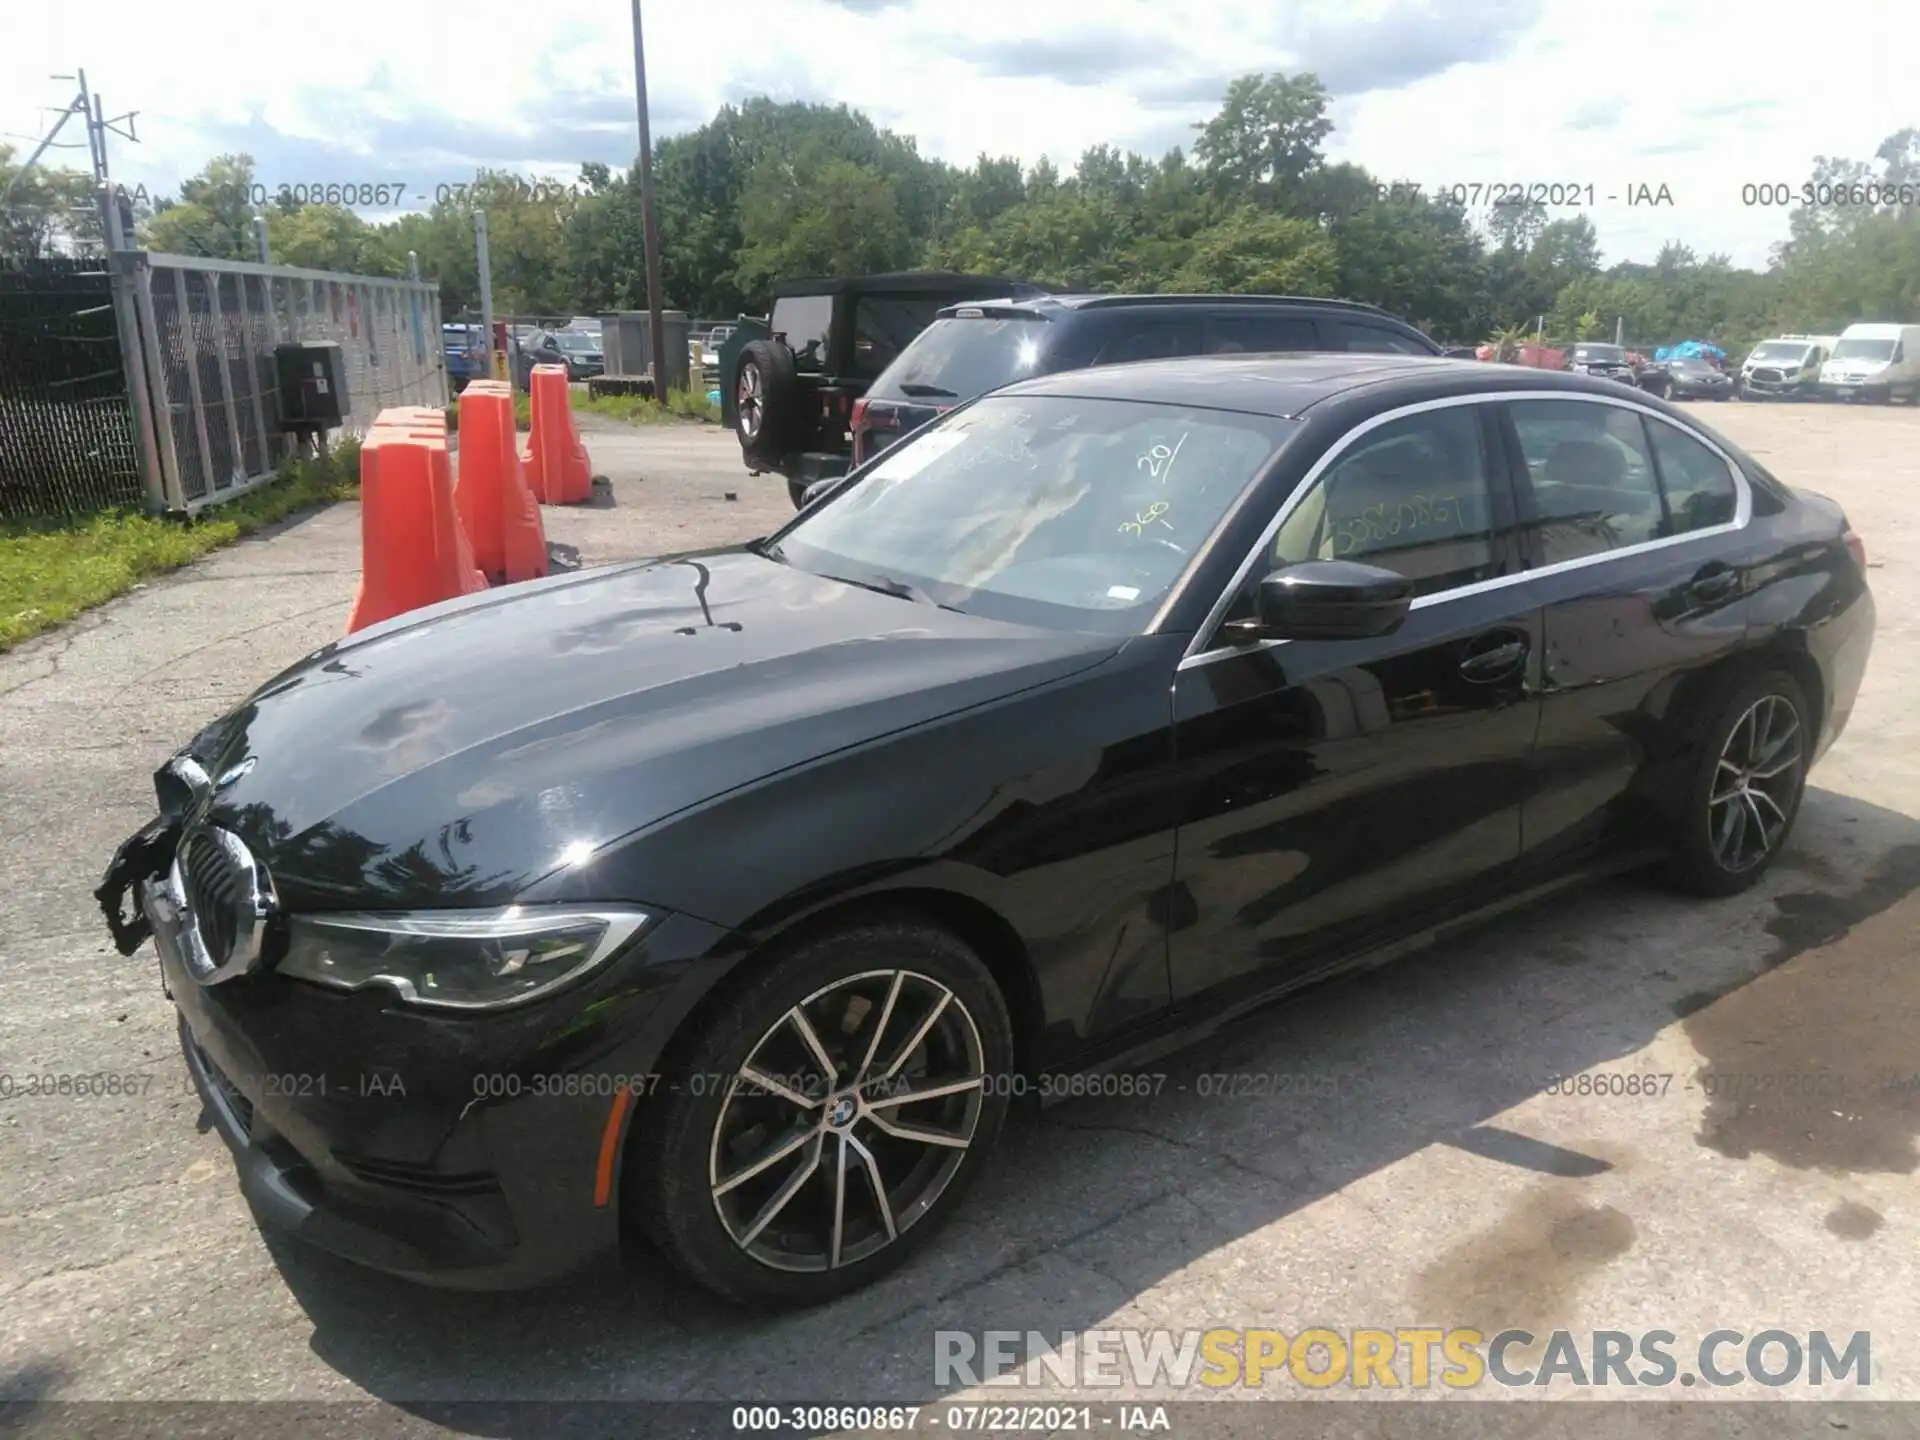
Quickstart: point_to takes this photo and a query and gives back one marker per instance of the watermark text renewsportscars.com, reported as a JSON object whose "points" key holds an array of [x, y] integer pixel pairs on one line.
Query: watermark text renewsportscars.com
{"points": [[1401, 1358]]}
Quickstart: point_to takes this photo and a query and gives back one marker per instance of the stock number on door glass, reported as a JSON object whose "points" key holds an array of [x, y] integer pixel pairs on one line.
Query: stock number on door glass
{"points": [[1377, 523]]}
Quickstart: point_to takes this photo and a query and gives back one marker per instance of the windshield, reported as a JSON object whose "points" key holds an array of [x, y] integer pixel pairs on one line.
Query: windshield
{"points": [[577, 343], [1688, 362], [1074, 514], [1863, 350], [1612, 354], [1775, 352], [961, 358]]}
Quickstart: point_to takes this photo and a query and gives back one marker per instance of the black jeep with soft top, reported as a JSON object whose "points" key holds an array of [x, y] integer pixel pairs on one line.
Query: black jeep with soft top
{"points": [[788, 386]]}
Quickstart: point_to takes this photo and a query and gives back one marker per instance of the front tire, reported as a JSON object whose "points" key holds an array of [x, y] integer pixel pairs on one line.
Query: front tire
{"points": [[846, 1097], [1746, 788]]}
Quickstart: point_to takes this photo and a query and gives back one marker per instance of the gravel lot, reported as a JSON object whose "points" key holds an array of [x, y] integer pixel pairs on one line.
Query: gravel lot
{"points": [[1443, 1186]]}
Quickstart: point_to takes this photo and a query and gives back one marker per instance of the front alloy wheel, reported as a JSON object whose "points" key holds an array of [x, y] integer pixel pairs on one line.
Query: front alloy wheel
{"points": [[847, 1121], [819, 1124]]}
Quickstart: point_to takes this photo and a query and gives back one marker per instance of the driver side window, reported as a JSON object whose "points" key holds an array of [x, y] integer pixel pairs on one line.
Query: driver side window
{"points": [[1411, 497]]}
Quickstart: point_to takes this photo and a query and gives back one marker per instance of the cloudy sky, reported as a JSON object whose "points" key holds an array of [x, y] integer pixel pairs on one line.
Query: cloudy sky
{"points": [[1437, 92]]}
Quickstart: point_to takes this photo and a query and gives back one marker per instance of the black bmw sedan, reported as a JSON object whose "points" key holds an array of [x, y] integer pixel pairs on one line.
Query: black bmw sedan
{"points": [[719, 906]]}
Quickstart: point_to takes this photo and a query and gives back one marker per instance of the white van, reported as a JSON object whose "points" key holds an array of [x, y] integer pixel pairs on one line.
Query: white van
{"points": [[1785, 365], [1874, 362]]}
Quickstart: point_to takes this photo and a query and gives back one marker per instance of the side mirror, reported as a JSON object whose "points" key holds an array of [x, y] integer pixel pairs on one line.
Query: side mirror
{"points": [[1327, 600]]}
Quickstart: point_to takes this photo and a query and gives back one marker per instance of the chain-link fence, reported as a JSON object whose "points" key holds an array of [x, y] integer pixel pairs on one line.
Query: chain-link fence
{"points": [[67, 444], [209, 328]]}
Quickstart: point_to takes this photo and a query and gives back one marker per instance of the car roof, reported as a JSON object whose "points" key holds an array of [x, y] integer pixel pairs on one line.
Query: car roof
{"points": [[1074, 303], [1286, 386], [903, 282]]}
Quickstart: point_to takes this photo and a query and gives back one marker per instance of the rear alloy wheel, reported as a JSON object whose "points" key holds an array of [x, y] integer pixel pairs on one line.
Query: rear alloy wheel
{"points": [[845, 1098], [1747, 790]]}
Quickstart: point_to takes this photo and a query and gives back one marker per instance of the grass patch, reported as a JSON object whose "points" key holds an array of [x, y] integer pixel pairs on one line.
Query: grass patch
{"points": [[687, 404], [50, 571]]}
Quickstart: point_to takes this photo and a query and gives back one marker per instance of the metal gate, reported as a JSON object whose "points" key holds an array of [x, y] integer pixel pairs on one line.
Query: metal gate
{"points": [[207, 330]]}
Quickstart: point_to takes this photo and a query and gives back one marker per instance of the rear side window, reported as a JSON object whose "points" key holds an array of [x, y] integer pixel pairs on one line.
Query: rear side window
{"points": [[1256, 334], [1374, 339], [959, 358], [805, 323], [1149, 340], [1698, 485], [884, 325], [1591, 476]]}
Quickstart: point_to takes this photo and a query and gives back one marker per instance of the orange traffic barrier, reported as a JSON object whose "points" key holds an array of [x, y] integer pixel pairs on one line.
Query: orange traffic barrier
{"points": [[497, 509], [556, 461], [413, 549]]}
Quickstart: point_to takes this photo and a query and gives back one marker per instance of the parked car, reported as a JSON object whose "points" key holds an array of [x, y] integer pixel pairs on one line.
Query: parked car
{"points": [[537, 347], [1100, 710], [1687, 377], [1609, 362], [978, 346], [581, 352], [1787, 365], [1874, 362], [465, 349], [789, 395]]}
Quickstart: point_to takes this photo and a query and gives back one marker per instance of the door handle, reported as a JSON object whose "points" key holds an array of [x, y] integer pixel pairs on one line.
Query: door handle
{"points": [[1711, 585], [1497, 663]]}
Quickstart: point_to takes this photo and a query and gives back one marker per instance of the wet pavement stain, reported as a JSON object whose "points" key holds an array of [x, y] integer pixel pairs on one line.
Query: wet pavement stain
{"points": [[1526, 1271], [1816, 1062], [1851, 1220]]}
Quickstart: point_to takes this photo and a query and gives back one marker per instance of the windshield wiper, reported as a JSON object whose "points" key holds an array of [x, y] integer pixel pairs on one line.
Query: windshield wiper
{"points": [[920, 391], [887, 585]]}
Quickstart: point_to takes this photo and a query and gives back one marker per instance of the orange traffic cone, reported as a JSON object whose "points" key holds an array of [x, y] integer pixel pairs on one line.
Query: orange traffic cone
{"points": [[413, 550], [497, 509], [557, 465]]}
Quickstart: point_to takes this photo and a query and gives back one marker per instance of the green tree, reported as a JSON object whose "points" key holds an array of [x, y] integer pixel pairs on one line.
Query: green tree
{"points": [[1266, 137], [330, 237], [1251, 252], [835, 218], [50, 207], [212, 217]]}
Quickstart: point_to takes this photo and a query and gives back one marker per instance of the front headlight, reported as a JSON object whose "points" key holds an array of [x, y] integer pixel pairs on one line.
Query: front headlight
{"points": [[458, 959]]}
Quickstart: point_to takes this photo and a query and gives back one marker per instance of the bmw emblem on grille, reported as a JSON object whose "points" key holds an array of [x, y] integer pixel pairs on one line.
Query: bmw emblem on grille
{"points": [[222, 894]]}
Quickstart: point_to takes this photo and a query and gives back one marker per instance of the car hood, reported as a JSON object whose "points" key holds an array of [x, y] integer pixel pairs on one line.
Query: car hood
{"points": [[456, 755]]}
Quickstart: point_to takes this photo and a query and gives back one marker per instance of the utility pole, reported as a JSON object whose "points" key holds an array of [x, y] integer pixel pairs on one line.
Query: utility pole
{"points": [[497, 359], [86, 105], [649, 224]]}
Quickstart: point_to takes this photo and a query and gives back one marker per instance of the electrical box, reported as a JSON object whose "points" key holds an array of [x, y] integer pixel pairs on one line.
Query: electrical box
{"points": [[313, 385]]}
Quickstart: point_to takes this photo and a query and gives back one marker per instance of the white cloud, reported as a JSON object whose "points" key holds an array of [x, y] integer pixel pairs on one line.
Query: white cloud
{"points": [[1449, 90]]}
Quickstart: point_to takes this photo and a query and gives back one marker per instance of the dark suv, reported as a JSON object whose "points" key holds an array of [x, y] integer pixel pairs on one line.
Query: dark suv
{"points": [[973, 348], [789, 389]]}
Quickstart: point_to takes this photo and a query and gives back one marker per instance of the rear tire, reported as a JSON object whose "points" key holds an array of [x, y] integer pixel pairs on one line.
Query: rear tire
{"points": [[793, 1193], [1745, 791], [766, 402]]}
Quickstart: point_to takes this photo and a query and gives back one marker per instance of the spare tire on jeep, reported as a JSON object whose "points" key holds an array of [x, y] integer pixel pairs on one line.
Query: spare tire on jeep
{"points": [[766, 403]]}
